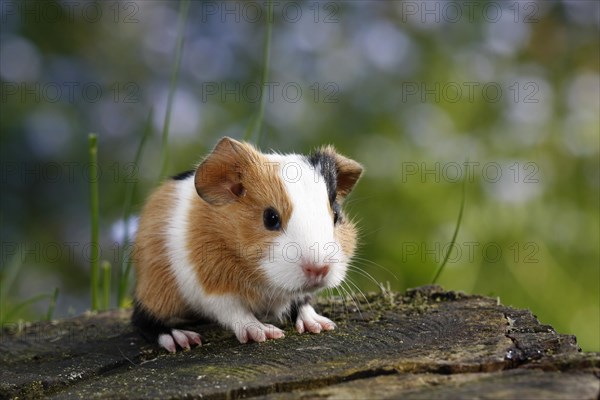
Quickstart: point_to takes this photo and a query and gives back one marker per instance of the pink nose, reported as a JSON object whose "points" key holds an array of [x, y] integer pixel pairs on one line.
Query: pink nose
{"points": [[314, 271]]}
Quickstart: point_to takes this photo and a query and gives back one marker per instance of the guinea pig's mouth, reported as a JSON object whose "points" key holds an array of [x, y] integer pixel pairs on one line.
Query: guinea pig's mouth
{"points": [[312, 284]]}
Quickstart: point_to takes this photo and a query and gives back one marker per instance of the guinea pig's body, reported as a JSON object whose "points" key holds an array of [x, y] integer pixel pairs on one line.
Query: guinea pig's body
{"points": [[244, 237]]}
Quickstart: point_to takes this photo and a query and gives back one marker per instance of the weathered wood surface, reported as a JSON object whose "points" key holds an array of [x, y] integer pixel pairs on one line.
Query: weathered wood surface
{"points": [[426, 343]]}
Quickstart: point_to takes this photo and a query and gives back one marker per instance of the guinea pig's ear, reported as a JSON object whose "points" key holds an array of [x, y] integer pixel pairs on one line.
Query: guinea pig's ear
{"points": [[348, 171], [219, 177]]}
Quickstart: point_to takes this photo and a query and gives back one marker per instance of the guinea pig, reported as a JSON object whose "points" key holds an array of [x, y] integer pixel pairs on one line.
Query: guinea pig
{"points": [[245, 237]]}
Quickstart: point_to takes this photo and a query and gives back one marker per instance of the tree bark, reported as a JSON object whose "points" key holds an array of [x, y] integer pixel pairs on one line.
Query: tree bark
{"points": [[425, 343]]}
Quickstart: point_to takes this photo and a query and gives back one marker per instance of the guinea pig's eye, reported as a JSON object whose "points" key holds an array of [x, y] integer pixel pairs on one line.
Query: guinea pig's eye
{"points": [[336, 213], [271, 219]]}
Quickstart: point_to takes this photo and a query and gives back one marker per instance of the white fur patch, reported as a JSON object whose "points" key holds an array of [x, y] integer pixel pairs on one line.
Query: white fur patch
{"points": [[181, 266], [309, 234]]}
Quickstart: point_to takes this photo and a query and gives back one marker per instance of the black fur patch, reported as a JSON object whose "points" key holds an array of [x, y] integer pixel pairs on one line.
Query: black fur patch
{"points": [[337, 209], [326, 164], [296, 304], [183, 175], [147, 325]]}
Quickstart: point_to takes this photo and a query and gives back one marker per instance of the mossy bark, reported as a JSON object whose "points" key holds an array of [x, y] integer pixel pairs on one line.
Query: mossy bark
{"points": [[422, 344]]}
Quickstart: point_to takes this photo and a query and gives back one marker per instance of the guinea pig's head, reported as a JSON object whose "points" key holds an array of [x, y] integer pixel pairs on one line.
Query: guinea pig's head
{"points": [[282, 214]]}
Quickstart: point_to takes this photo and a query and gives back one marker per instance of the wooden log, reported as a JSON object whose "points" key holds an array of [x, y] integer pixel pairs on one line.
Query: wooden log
{"points": [[424, 343]]}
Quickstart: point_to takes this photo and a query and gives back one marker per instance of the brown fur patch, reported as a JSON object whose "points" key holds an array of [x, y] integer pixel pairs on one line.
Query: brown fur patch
{"points": [[345, 233], [156, 288], [348, 173], [227, 241]]}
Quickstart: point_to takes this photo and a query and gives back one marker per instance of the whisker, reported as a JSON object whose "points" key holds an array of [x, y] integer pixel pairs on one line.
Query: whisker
{"points": [[352, 297], [361, 293], [343, 298], [362, 233], [358, 270], [362, 259]]}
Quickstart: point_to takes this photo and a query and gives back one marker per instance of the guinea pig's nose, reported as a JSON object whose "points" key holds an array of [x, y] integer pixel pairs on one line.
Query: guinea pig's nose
{"points": [[314, 271]]}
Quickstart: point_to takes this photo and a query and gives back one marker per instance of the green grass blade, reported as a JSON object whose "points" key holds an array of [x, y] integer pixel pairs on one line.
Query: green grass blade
{"points": [[9, 275], [16, 309], [94, 210], [52, 305], [255, 127], [128, 264], [456, 229], [124, 264], [106, 267], [183, 14]]}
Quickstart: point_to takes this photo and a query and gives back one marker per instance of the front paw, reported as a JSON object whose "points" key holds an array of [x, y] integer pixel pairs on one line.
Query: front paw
{"points": [[309, 321], [257, 331]]}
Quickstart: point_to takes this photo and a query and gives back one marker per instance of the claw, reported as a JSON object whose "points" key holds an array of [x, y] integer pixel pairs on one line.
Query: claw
{"points": [[192, 336], [183, 338], [258, 332], [166, 341]]}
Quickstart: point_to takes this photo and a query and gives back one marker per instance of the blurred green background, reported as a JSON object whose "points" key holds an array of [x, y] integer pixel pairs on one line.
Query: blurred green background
{"points": [[410, 89]]}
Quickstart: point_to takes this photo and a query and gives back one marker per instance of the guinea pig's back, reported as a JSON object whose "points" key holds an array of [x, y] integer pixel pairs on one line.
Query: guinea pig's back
{"points": [[156, 288]]}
